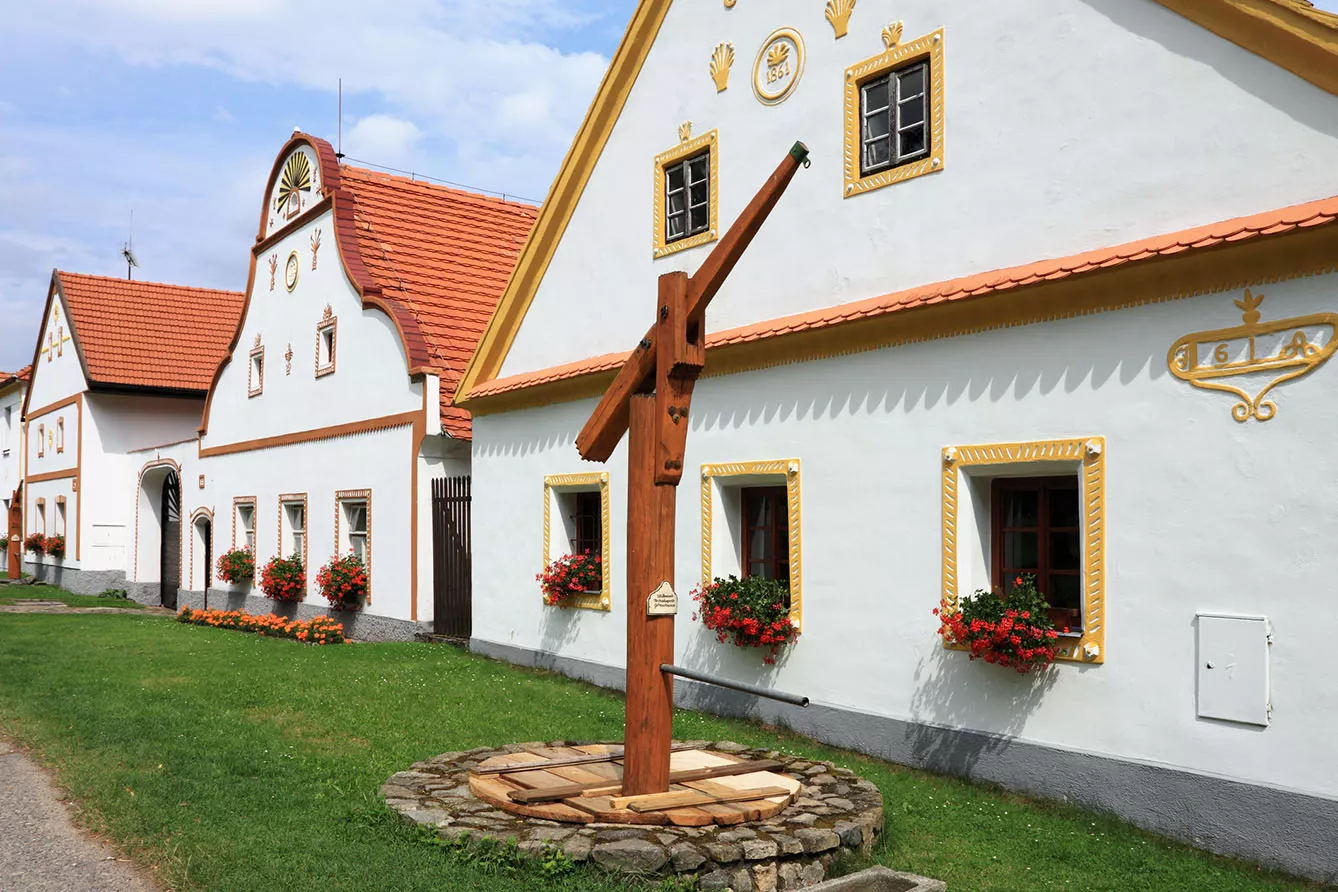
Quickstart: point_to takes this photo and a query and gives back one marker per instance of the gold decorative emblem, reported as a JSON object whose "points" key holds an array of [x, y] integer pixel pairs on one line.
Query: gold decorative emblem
{"points": [[892, 34], [290, 270], [838, 13], [296, 179], [779, 66], [315, 245], [273, 269], [1286, 349], [685, 131], [721, 61]]}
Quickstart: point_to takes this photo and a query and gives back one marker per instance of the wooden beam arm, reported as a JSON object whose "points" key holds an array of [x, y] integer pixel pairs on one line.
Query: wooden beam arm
{"points": [[605, 428]]}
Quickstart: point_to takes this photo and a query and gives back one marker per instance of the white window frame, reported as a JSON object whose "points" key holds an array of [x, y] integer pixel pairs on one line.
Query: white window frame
{"points": [[293, 540], [241, 506], [344, 500]]}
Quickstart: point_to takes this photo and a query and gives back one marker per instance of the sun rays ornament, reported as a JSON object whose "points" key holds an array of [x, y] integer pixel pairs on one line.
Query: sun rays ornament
{"points": [[295, 188], [779, 66]]}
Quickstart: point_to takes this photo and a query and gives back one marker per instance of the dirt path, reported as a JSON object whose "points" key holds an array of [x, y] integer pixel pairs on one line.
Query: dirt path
{"points": [[40, 848]]}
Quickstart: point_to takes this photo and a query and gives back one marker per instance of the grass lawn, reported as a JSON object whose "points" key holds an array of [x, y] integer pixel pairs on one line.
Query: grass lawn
{"points": [[228, 761], [41, 591]]}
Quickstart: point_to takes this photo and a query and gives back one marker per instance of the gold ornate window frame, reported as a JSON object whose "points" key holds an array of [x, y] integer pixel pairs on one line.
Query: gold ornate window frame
{"points": [[687, 149], [787, 468], [1086, 453], [929, 49], [603, 599]]}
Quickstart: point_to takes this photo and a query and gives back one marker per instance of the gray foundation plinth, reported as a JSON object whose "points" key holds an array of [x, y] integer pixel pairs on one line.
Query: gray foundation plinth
{"points": [[880, 879], [836, 815]]}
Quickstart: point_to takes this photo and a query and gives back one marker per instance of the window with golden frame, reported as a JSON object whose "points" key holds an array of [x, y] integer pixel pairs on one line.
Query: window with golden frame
{"points": [[974, 477], [724, 527], [679, 194], [568, 527], [894, 113]]}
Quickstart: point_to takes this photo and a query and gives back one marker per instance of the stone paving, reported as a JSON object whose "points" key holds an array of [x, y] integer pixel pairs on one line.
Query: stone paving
{"points": [[835, 816]]}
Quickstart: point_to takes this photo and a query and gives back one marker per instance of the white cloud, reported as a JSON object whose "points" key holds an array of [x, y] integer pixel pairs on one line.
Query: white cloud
{"points": [[474, 73], [384, 139]]}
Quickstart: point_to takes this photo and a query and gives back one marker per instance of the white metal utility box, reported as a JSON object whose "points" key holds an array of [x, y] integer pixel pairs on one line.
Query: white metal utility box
{"points": [[1233, 668]]}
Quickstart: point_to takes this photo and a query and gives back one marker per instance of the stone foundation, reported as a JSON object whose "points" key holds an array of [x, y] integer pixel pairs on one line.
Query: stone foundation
{"points": [[82, 582], [836, 815]]}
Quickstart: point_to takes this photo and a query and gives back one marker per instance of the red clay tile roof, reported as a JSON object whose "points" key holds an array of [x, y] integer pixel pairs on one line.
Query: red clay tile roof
{"points": [[147, 334], [1311, 214], [23, 374], [445, 255]]}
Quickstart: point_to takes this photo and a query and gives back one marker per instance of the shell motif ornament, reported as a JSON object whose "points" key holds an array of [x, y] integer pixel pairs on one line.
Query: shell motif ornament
{"points": [[777, 55], [721, 61], [838, 13], [892, 34], [296, 180], [685, 131]]}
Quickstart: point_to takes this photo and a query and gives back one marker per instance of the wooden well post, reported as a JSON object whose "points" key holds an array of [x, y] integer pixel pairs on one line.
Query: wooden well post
{"points": [[650, 399]]}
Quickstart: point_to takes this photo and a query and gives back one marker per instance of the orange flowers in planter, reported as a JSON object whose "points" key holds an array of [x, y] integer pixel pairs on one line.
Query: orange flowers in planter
{"points": [[343, 582], [55, 546], [320, 630], [35, 542], [284, 579]]}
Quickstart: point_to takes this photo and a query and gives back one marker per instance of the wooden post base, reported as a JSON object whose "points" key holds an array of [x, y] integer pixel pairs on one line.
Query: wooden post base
{"points": [[650, 640]]}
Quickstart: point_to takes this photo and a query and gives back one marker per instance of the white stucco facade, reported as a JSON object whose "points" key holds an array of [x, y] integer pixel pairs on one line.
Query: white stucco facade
{"points": [[11, 439], [1197, 512]]}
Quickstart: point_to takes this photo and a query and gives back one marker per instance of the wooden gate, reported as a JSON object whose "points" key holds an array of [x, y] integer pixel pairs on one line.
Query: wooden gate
{"points": [[451, 571]]}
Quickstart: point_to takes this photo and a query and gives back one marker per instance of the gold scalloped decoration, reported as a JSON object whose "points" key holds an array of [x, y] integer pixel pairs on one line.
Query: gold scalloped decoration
{"points": [[838, 13], [778, 53], [892, 34], [721, 62]]}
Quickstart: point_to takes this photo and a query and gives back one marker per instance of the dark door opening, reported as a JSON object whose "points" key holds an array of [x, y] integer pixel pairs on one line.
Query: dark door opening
{"points": [[170, 562]]}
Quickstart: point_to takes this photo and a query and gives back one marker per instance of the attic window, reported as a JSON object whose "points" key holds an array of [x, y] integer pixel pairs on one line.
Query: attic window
{"points": [[325, 346], [894, 114], [686, 195], [60, 434], [255, 377]]}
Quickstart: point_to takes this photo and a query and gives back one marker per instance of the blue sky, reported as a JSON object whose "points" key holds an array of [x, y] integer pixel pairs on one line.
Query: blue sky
{"points": [[175, 109]]}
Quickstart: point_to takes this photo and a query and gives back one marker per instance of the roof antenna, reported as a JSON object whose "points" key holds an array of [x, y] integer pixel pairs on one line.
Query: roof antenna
{"points": [[127, 249], [339, 133]]}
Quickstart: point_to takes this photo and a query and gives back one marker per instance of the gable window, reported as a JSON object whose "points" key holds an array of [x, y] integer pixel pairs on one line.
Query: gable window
{"points": [[686, 191], [894, 114], [60, 434], [353, 527], [751, 524], [244, 524], [60, 515], [255, 376], [41, 440], [41, 516], [766, 532], [576, 521], [293, 526], [1037, 531], [1035, 509], [325, 346]]}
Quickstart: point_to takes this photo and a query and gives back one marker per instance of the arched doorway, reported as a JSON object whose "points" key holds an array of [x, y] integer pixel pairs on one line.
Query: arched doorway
{"points": [[202, 552], [170, 554]]}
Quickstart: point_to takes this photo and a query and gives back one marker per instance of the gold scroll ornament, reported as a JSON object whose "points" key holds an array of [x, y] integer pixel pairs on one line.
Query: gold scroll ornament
{"points": [[1233, 352]]}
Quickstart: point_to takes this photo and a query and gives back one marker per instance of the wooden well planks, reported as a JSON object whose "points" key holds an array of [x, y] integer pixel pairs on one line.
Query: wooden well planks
{"points": [[592, 791]]}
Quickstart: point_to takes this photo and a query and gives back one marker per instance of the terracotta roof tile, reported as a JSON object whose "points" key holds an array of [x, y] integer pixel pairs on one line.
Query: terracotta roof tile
{"points": [[1314, 213], [445, 254], [148, 334]]}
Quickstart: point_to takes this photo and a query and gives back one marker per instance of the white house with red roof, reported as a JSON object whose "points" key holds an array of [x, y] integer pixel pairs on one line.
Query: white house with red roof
{"points": [[120, 367], [13, 387], [1056, 299], [330, 414]]}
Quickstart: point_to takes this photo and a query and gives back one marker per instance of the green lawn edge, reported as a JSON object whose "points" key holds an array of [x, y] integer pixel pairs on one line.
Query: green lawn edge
{"points": [[222, 760]]}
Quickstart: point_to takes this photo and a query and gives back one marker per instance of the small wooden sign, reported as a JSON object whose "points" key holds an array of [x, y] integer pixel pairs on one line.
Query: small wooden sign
{"points": [[663, 601]]}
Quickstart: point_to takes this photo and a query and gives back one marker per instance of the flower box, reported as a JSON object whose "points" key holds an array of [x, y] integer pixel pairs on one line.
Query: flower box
{"points": [[571, 575], [284, 579], [1013, 630], [750, 612], [55, 546], [343, 582], [237, 566]]}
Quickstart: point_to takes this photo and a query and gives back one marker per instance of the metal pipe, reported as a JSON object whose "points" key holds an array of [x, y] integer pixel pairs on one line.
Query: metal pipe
{"points": [[769, 693]]}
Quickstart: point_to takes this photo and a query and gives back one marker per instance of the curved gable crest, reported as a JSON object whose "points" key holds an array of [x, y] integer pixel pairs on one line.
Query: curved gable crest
{"points": [[295, 186]]}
